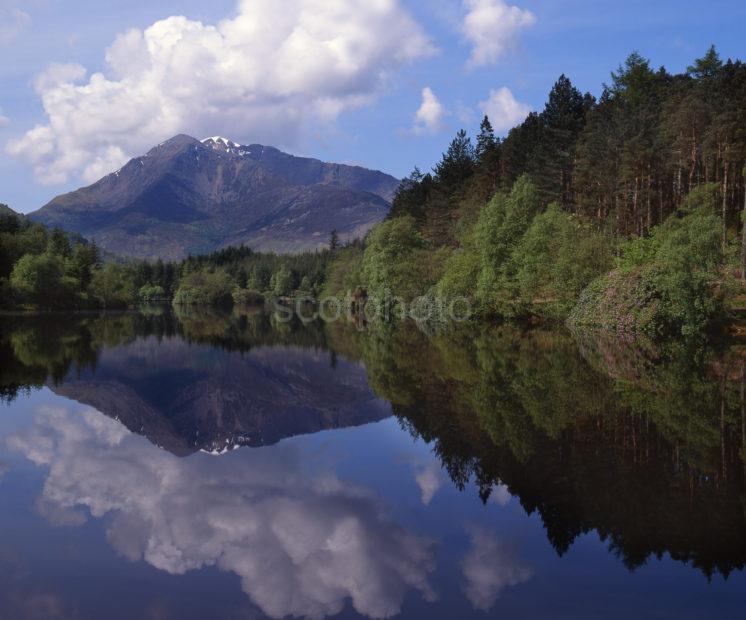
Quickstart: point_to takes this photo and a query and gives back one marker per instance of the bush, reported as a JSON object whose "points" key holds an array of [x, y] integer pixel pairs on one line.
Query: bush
{"points": [[500, 226], [282, 282], [343, 273], [112, 287], [668, 283], [151, 292], [40, 280], [557, 258], [395, 261], [205, 288]]}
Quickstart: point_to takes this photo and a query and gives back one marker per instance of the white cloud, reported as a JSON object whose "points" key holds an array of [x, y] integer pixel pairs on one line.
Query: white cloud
{"points": [[13, 21], [327, 541], [267, 74], [488, 569], [429, 479], [430, 115], [4, 120], [503, 109], [492, 27], [500, 495]]}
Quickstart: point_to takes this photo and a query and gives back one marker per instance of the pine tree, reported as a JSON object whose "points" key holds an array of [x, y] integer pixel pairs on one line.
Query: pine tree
{"points": [[457, 163], [486, 141], [563, 118], [706, 67]]}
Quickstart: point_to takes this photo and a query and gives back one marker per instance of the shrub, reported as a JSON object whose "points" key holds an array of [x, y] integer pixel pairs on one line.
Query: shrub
{"points": [[205, 288], [151, 292]]}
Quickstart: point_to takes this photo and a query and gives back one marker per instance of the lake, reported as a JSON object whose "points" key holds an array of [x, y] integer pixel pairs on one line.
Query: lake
{"points": [[235, 465]]}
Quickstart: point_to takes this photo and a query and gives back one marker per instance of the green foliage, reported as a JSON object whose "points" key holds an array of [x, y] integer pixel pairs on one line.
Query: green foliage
{"points": [[457, 163], [668, 283], [282, 282], [40, 280], [486, 141], [57, 270], [208, 288], [500, 226], [705, 198], [394, 261], [343, 274], [517, 260], [151, 292], [557, 258], [112, 287], [334, 241], [460, 272]]}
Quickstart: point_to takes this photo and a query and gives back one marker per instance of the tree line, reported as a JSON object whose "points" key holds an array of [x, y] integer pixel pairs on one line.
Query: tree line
{"points": [[47, 269]]}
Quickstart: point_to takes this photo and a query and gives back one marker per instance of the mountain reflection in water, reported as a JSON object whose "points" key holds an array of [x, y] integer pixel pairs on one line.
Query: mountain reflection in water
{"points": [[641, 445]]}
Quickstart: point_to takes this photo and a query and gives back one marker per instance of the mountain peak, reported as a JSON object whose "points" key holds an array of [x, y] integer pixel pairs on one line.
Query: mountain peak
{"points": [[189, 196], [219, 140], [224, 145]]}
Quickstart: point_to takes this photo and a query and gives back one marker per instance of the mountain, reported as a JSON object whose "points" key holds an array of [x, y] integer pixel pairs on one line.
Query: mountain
{"points": [[188, 196]]}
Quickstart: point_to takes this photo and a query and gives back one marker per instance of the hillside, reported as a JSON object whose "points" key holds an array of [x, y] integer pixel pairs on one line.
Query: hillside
{"points": [[187, 196]]}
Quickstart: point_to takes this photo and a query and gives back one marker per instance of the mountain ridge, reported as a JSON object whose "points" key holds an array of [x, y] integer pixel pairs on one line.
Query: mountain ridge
{"points": [[188, 196]]}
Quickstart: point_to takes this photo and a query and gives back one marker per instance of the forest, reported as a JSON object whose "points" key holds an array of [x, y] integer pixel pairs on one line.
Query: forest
{"points": [[623, 212]]}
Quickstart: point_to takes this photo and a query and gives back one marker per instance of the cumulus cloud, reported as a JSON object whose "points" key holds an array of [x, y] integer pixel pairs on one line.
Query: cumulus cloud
{"points": [[13, 21], [489, 568], [4, 120], [492, 28], [504, 111], [302, 543], [266, 74], [430, 115]]}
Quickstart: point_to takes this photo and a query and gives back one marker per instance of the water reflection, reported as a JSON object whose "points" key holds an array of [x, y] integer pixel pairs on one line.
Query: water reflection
{"points": [[302, 540], [174, 383], [641, 444], [489, 567]]}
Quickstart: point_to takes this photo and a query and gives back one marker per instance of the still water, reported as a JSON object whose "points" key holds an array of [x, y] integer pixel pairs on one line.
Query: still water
{"points": [[207, 465]]}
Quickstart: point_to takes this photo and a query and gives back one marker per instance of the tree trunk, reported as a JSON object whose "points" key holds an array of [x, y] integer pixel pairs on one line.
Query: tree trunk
{"points": [[693, 168], [725, 205]]}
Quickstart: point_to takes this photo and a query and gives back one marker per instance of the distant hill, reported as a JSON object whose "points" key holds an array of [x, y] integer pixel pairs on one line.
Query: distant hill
{"points": [[188, 196]]}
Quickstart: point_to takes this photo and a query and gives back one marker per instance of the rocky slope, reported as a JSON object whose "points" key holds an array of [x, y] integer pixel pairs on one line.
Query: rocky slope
{"points": [[188, 196]]}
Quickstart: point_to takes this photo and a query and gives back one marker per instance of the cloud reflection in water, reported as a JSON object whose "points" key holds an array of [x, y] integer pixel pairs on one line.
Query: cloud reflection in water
{"points": [[301, 540]]}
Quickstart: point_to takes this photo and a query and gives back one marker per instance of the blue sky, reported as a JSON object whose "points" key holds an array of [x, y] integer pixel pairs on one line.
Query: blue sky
{"points": [[359, 106]]}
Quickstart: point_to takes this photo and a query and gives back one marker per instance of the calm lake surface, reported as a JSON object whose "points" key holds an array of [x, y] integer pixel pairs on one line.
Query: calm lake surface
{"points": [[208, 465]]}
